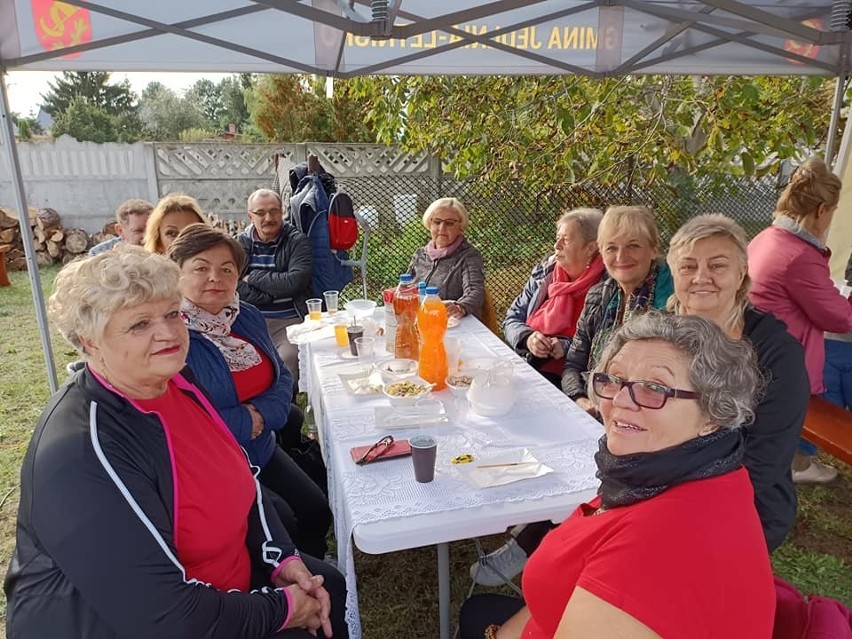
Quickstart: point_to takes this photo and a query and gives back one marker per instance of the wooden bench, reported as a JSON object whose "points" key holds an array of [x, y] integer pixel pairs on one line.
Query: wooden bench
{"points": [[829, 427]]}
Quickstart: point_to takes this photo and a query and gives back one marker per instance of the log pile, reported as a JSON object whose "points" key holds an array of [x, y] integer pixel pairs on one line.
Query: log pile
{"points": [[53, 243]]}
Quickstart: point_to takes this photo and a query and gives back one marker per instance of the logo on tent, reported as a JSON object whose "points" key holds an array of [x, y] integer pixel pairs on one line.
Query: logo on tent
{"points": [[59, 25]]}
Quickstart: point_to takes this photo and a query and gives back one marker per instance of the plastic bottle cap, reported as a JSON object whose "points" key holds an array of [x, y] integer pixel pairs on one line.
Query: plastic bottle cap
{"points": [[405, 278], [431, 290], [421, 285]]}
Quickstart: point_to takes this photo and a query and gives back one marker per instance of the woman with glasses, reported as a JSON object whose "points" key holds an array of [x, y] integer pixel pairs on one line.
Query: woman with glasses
{"points": [[709, 262], [671, 546], [541, 321], [638, 281], [448, 260]]}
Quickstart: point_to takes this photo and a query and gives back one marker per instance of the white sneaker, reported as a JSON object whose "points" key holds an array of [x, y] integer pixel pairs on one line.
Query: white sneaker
{"points": [[816, 473], [500, 566]]}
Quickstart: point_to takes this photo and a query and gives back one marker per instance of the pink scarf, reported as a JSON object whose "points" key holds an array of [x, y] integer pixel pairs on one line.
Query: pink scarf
{"points": [[559, 312], [438, 253]]}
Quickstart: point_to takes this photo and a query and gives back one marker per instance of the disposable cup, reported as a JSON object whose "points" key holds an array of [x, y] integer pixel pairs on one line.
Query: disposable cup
{"points": [[424, 450], [340, 336], [354, 332], [331, 298], [314, 308], [364, 348]]}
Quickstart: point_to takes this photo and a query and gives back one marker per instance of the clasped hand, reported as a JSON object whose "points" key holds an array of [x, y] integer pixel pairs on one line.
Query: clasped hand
{"points": [[310, 602], [540, 345]]}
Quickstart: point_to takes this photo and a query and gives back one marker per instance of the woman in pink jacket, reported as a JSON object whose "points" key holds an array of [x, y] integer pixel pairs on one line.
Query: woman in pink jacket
{"points": [[788, 266]]}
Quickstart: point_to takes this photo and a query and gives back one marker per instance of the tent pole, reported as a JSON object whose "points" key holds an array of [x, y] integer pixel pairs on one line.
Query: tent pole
{"points": [[839, 90], [7, 138]]}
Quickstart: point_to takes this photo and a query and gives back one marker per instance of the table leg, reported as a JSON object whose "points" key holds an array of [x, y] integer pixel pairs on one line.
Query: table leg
{"points": [[444, 589]]}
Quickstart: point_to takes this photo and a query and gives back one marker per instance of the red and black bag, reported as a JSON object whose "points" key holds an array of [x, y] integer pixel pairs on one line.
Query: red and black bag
{"points": [[342, 225]]}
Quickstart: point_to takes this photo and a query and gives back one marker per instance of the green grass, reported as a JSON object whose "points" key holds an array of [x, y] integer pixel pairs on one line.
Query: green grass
{"points": [[398, 591]]}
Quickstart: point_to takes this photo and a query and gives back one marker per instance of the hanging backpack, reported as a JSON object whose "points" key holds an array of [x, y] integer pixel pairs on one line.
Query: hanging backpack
{"points": [[342, 225], [309, 206]]}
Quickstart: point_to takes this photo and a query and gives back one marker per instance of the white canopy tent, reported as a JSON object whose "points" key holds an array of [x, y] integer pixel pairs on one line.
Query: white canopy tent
{"points": [[345, 38]]}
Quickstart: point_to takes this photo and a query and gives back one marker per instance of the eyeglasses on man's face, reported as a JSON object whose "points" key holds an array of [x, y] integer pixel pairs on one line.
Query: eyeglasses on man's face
{"points": [[275, 212], [643, 393]]}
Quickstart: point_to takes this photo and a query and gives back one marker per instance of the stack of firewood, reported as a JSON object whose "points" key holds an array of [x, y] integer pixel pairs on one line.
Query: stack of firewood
{"points": [[53, 244]]}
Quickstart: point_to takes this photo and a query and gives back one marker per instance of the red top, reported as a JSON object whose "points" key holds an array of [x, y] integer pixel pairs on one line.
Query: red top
{"points": [[690, 563], [255, 380], [214, 492]]}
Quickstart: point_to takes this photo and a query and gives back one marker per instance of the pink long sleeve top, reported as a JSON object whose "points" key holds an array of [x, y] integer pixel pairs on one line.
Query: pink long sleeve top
{"points": [[791, 279]]}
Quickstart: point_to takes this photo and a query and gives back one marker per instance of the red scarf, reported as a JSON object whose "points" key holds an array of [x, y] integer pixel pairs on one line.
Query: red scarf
{"points": [[559, 312]]}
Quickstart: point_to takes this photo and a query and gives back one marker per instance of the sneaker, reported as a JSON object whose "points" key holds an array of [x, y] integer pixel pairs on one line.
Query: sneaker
{"points": [[816, 473], [500, 566]]}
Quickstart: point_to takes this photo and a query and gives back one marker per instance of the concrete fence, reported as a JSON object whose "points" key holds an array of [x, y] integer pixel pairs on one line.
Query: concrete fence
{"points": [[85, 181]]}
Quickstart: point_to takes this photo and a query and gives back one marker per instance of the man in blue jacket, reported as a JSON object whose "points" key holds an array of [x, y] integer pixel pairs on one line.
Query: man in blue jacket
{"points": [[277, 276]]}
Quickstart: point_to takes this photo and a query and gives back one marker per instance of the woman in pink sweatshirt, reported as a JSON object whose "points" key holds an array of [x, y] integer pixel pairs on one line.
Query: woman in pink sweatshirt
{"points": [[788, 266]]}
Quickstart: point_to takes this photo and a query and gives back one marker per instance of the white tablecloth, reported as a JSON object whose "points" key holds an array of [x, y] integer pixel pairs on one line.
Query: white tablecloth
{"points": [[542, 420]]}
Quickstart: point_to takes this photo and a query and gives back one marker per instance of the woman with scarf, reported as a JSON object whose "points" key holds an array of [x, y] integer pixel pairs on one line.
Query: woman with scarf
{"points": [[638, 282], [788, 266], [234, 360], [448, 261], [671, 546], [541, 321]]}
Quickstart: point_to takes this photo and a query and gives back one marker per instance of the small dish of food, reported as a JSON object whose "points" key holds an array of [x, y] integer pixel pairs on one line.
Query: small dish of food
{"points": [[459, 384], [396, 369], [407, 391]]}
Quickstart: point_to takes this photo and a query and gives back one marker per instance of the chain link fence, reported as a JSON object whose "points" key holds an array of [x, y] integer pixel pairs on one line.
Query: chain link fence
{"points": [[514, 228]]}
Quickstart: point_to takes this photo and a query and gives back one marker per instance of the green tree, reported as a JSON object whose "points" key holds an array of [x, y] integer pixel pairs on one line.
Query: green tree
{"points": [[90, 123], [552, 131], [166, 114], [291, 108], [117, 99], [27, 126], [106, 112]]}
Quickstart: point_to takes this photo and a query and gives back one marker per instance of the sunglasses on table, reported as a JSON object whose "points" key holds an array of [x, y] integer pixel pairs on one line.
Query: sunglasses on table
{"points": [[645, 394], [376, 450]]}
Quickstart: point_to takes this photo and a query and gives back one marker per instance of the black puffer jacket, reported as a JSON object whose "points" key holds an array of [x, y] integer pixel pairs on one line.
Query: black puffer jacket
{"points": [[97, 479]]}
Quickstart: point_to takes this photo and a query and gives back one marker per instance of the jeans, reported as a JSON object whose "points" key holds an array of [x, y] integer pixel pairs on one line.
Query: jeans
{"points": [[480, 611], [837, 373]]}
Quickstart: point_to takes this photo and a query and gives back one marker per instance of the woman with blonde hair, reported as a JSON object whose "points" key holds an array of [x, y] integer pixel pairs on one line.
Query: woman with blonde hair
{"points": [[140, 514], [172, 214], [788, 266], [709, 263], [639, 281], [449, 261]]}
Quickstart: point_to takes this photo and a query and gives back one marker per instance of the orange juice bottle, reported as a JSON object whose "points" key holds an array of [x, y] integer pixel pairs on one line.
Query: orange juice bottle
{"points": [[432, 323], [407, 342]]}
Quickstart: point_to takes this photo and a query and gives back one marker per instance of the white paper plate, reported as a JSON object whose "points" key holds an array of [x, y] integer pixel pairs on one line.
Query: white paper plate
{"points": [[357, 383]]}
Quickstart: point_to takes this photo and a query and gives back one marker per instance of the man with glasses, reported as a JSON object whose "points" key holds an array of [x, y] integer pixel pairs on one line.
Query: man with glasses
{"points": [[277, 275]]}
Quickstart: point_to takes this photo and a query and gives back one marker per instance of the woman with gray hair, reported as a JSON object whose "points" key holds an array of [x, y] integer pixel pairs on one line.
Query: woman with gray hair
{"points": [[709, 263], [652, 556], [541, 321], [140, 515], [449, 261]]}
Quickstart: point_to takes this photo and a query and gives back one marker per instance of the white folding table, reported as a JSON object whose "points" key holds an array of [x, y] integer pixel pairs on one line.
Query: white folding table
{"points": [[383, 509]]}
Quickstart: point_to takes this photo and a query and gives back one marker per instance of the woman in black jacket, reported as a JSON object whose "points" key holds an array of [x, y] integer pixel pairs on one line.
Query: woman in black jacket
{"points": [[139, 514], [709, 263]]}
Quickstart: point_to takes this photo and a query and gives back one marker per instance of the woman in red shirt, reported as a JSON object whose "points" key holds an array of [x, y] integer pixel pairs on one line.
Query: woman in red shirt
{"points": [[672, 546]]}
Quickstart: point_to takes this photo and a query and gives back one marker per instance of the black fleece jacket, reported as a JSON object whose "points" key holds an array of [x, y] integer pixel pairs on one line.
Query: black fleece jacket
{"points": [[771, 441], [95, 556]]}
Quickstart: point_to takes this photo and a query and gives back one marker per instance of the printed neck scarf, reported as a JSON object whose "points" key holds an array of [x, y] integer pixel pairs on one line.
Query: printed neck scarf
{"points": [[239, 354]]}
